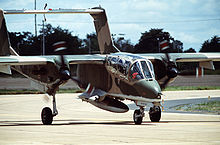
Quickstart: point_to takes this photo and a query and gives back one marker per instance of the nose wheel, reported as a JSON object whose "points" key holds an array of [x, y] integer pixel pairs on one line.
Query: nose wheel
{"points": [[155, 113]]}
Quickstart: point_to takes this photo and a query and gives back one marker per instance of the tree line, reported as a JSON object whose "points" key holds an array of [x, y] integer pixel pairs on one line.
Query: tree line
{"points": [[25, 43]]}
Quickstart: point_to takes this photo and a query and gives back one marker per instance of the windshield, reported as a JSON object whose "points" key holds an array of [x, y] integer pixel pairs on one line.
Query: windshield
{"points": [[146, 70], [151, 68], [135, 72], [141, 70]]}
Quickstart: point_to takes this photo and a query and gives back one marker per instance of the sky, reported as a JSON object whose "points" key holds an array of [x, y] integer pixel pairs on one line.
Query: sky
{"points": [[190, 21]]}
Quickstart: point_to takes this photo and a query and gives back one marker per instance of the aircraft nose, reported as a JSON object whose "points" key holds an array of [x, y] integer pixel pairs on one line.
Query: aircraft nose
{"points": [[148, 89]]}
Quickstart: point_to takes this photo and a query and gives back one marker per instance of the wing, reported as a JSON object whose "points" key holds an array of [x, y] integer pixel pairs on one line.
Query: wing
{"points": [[24, 60], [195, 57], [205, 59], [7, 61], [37, 60]]}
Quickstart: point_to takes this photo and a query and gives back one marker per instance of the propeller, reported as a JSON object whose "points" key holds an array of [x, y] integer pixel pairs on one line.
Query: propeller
{"points": [[171, 70], [62, 64], [64, 71]]}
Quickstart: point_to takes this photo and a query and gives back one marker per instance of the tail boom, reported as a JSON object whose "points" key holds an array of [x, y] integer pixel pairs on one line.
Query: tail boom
{"points": [[4, 39], [100, 21]]}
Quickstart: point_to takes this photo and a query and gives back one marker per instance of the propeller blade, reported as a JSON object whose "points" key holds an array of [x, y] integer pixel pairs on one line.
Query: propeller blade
{"points": [[62, 60], [65, 72], [165, 83], [168, 57], [80, 84]]}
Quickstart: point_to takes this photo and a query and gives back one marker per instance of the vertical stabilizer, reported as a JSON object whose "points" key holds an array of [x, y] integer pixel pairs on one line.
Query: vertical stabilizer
{"points": [[103, 33], [4, 39]]}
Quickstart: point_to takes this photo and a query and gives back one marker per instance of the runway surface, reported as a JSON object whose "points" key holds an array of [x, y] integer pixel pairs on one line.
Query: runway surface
{"points": [[81, 123], [24, 83]]}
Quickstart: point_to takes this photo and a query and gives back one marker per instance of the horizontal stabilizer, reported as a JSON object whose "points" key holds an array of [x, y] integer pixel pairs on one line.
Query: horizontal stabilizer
{"points": [[54, 11]]}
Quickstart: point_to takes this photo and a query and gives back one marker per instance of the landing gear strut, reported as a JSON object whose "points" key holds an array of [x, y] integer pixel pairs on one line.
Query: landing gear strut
{"points": [[47, 114], [155, 113], [138, 115]]}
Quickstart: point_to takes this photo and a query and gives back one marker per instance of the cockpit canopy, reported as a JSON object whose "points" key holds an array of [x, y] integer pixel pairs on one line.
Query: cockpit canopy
{"points": [[131, 70], [141, 69]]}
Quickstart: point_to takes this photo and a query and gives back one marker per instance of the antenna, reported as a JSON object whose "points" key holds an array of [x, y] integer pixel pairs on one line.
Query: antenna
{"points": [[44, 20], [44, 14], [35, 19], [43, 37]]}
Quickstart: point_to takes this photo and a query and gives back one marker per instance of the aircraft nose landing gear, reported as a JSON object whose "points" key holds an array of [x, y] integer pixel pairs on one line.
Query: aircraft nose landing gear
{"points": [[138, 115]]}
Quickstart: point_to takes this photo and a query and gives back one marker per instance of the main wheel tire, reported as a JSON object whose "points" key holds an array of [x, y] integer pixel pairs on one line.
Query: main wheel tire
{"points": [[46, 116], [137, 120], [155, 114]]}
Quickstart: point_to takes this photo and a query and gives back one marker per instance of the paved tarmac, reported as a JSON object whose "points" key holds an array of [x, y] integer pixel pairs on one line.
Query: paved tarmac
{"points": [[24, 83], [81, 123]]}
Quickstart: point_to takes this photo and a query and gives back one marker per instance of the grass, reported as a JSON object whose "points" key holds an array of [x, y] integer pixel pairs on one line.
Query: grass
{"points": [[207, 107]]}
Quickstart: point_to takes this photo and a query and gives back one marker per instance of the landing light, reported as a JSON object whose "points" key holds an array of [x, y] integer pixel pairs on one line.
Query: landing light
{"points": [[159, 97], [162, 108]]}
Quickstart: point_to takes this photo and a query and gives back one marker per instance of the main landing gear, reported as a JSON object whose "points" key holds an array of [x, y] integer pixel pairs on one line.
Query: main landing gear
{"points": [[47, 114], [154, 114]]}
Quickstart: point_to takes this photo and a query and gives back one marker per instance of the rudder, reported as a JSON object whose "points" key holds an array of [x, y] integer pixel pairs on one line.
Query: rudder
{"points": [[103, 33]]}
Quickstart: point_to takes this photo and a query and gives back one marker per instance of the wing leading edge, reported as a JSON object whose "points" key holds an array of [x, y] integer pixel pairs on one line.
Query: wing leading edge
{"points": [[185, 57], [40, 60]]}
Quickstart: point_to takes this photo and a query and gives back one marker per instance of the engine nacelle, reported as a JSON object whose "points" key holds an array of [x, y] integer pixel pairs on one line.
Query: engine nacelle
{"points": [[110, 104]]}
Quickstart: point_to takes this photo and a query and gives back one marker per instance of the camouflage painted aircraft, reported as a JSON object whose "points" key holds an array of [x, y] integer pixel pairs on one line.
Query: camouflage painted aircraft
{"points": [[108, 78]]}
